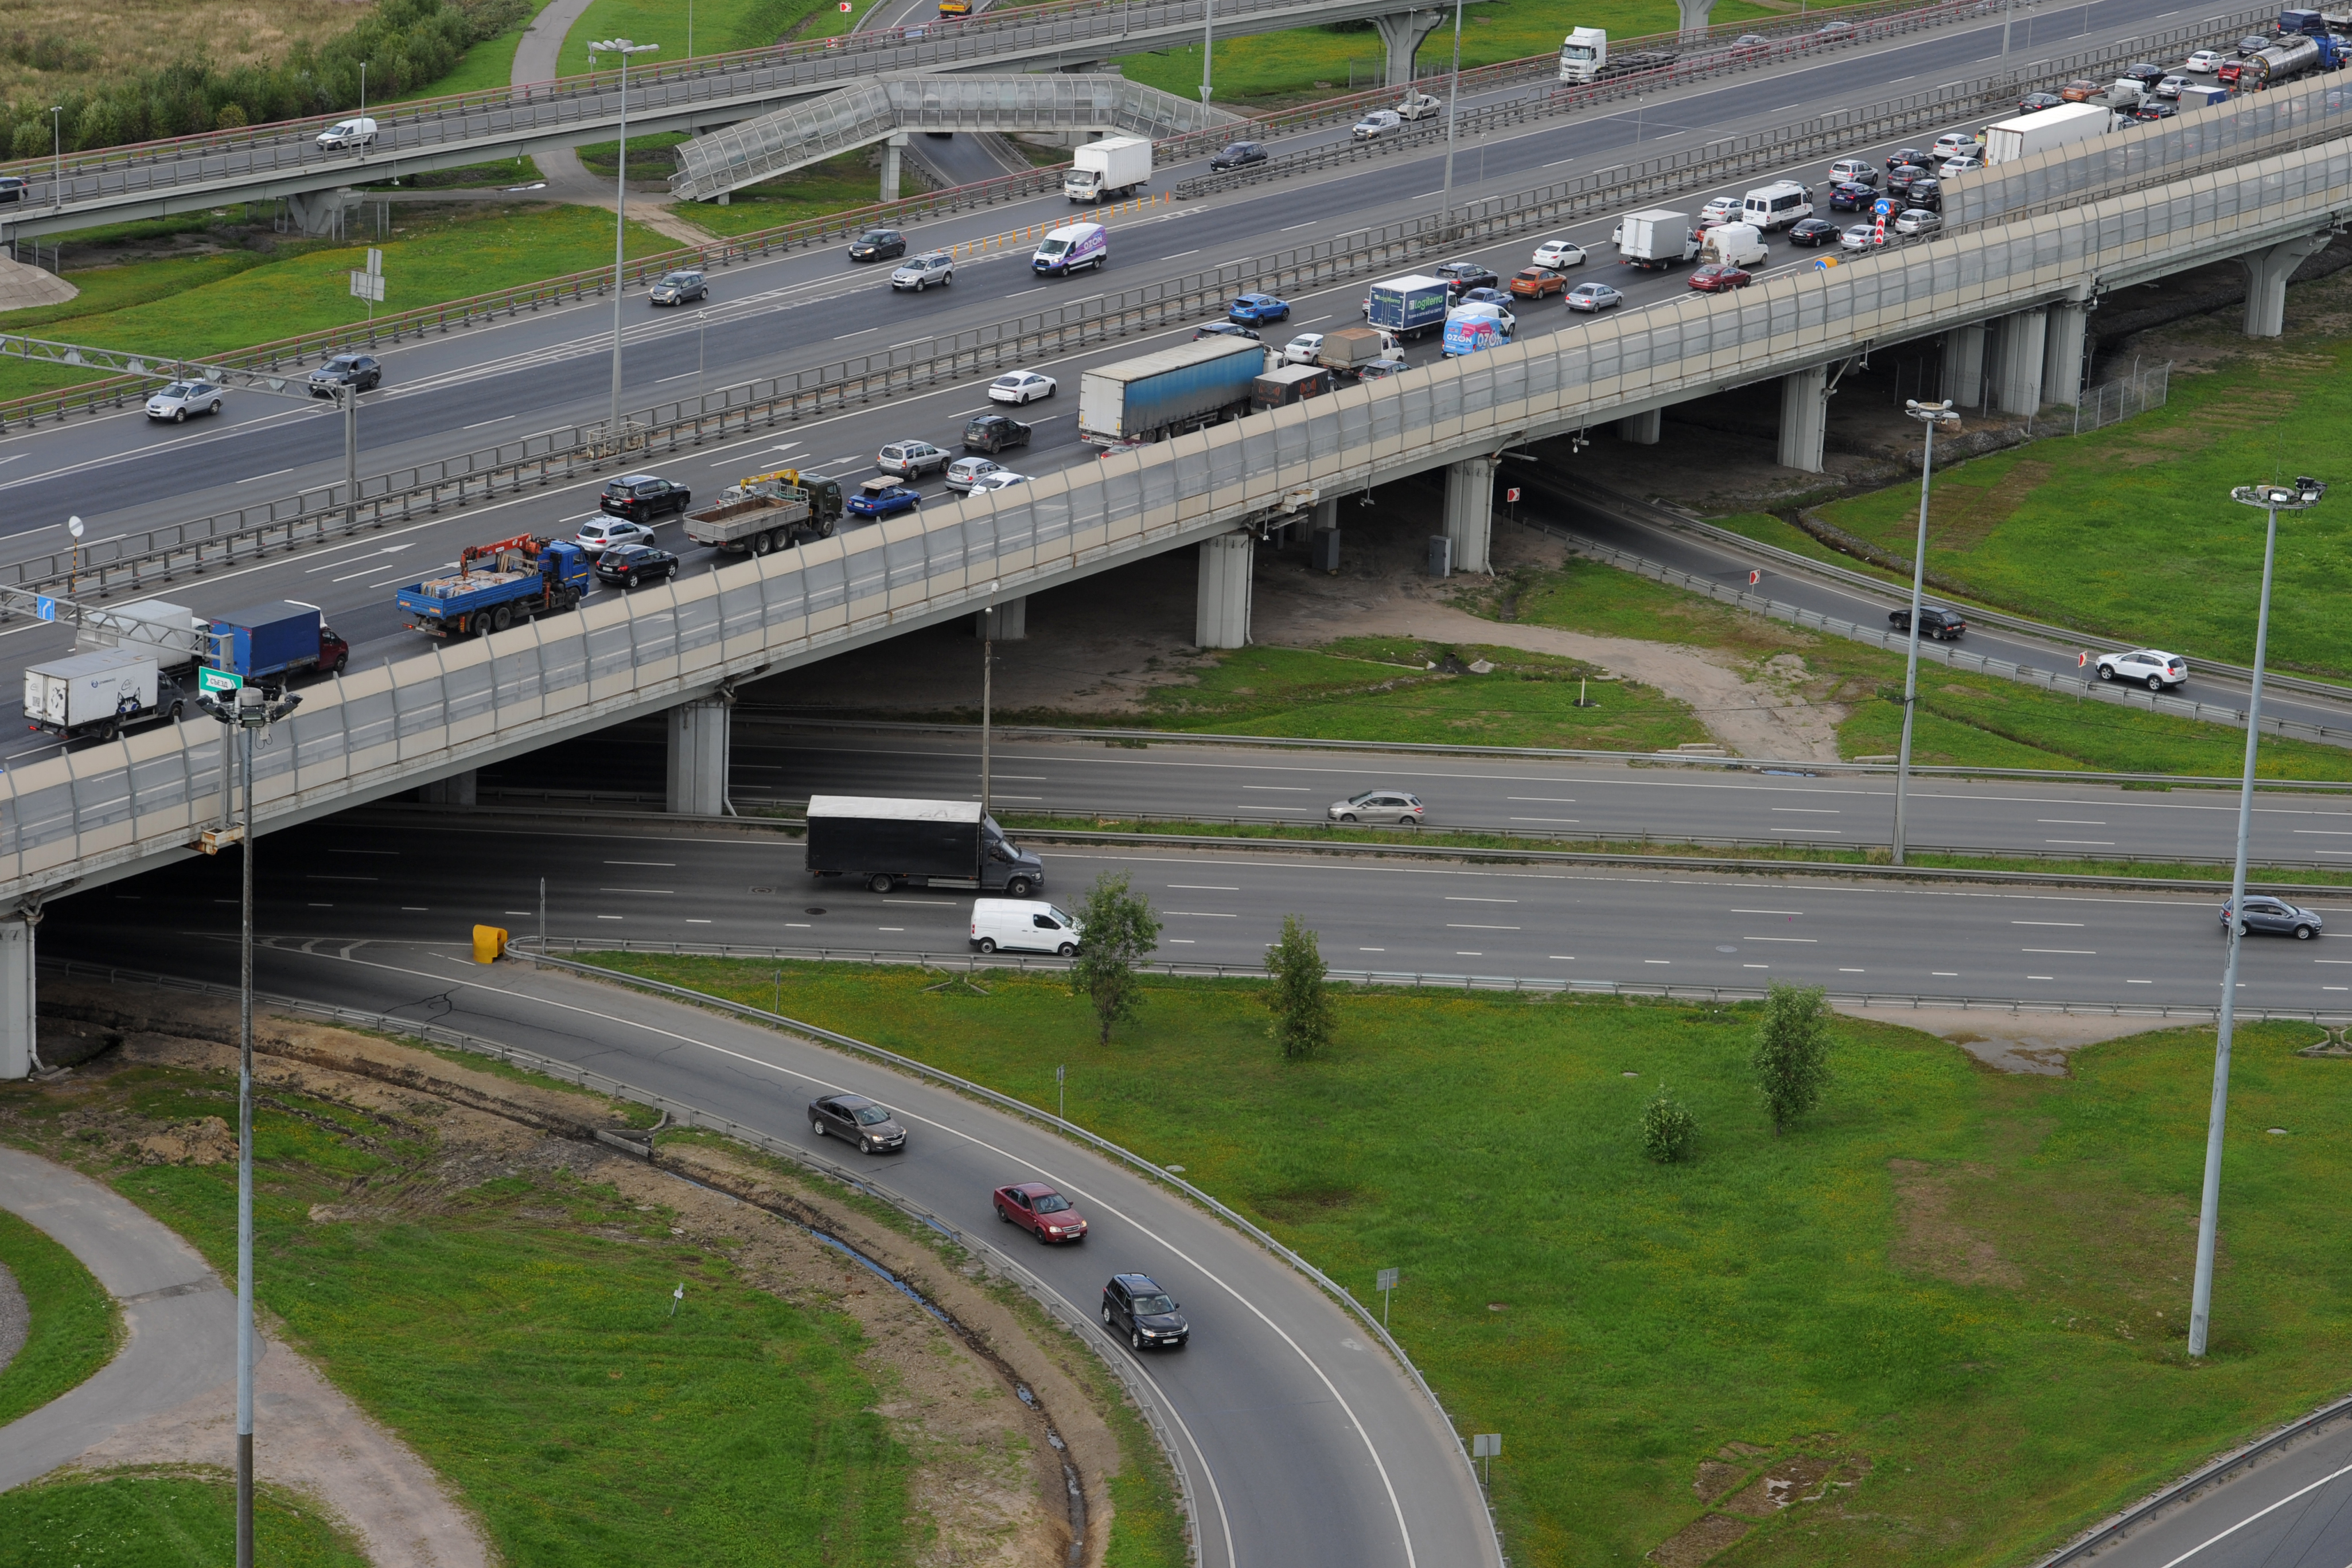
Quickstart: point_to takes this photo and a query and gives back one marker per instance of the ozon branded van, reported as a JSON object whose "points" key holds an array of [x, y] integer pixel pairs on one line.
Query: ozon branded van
{"points": [[1070, 247]]}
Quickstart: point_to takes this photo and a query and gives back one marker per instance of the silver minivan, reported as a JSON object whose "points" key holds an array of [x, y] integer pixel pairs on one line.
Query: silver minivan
{"points": [[1022, 925]]}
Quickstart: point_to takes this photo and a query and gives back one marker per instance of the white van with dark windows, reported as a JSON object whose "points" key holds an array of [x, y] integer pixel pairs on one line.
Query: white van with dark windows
{"points": [[1776, 205], [1022, 925], [346, 134]]}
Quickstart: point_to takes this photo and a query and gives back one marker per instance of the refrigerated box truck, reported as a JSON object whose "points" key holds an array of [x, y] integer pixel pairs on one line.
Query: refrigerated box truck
{"points": [[100, 694], [1106, 170], [886, 843], [2007, 141], [1656, 238], [173, 635], [1169, 391]]}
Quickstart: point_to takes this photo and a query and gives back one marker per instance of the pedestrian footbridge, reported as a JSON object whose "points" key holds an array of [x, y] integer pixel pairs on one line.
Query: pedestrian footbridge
{"points": [[2007, 297]]}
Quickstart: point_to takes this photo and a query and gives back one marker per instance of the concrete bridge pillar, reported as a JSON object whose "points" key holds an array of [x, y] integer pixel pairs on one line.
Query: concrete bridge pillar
{"points": [[15, 998], [1011, 617], [320, 215], [458, 790], [1694, 15], [2266, 275], [2061, 354], [1641, 429], [698, 737], [1961, 376], [894, 154], [1402, 35], [1804, 418], [1221, 617], [2017, 350], [1470, 512]]}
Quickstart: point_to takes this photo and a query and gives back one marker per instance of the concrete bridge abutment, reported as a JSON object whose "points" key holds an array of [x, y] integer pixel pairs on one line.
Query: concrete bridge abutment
{"points": [[1470, 512], [2018, 346], [700, 733], [1694, 15], [1804, 418], [1220, 615], [16, 1052], [1402, 35], [1961, 377], [2266, 275], [458, 790], [894, 158], [1641, 429], [1011, 618], [2061, 353]]}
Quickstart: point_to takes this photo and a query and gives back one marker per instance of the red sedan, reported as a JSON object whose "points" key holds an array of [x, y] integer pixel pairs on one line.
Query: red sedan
{"points": [[1717, 276], [1041, 1211]]}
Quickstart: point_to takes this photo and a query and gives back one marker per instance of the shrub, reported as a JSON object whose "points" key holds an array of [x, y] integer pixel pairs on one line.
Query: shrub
{"points": [[1118, 930], [1668, 1128], [1301, 1001], [1792, 1059]]}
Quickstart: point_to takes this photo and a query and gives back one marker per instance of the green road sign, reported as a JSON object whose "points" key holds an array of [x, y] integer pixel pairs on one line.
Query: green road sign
{"points": [[212, 680]]}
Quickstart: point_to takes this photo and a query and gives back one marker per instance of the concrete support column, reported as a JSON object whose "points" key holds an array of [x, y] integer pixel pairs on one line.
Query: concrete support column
{"points": [[1694, 14], [2061, 354], [1221, 616], [1011, 621], [2017, 362], [1804, 418], [321, 214], [1402, 35], [15, 998], [894, 153], [1641, 429], [699, 735], [458, 790], [1326, 516], [1962, 378], [2266, 275], [1470, 511]]}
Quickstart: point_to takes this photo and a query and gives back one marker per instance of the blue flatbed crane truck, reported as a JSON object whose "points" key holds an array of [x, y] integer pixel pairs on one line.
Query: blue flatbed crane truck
{"points": [[520, 577]]}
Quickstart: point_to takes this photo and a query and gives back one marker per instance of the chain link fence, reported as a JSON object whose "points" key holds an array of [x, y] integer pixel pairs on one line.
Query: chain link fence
{"points": [[2109, 401]]}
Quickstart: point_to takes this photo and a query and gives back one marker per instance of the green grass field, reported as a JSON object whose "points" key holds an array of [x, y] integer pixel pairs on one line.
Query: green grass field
{"points": [[74, 1324], [2130, 532], [511, 1329], [1965, 718], [209, 304], [1966, 1289], [159, 1521], [488, 64], [719, 27]]}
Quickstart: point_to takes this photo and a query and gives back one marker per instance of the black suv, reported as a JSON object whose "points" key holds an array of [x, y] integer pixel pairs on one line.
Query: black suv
{"points": [[642, 497], [993, 432], [359, 372], [1145, 1312], [1460, 277], [1238, 155], [878, 244], [1944, 625], [630, 565]]}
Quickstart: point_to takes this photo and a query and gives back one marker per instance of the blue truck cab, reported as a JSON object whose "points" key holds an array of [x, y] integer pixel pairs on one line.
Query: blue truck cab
{"points": [[516, 579]]}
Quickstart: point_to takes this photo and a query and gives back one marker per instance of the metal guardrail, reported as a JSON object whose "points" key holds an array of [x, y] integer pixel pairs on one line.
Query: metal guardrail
{"points": [[803, 718], [1148, 1401]]}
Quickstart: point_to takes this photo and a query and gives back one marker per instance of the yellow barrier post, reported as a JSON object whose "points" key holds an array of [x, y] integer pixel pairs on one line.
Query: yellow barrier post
{"points": [[489, 942]]}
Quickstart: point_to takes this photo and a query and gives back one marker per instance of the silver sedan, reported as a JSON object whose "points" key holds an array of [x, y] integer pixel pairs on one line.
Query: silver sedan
{"points": [[1378, 806], [180, 398]]}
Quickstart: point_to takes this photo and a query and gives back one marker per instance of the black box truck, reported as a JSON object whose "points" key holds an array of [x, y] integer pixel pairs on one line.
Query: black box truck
{"points": [[890, 843]]}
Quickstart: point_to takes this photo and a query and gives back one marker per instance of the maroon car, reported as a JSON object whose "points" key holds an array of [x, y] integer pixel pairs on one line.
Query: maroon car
{"points": [[1717, 276], [1041, 1211]]}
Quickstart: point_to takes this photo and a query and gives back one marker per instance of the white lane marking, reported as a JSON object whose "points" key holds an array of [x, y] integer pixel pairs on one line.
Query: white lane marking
{"points": [[1543, 799], [2068, 822], [1214, 887], [1283, 789], [1809, 941], [2070, 952], [665, 864], [1451, 926], [2077, 923], [1473, 898], [248, 479], [1765, 911], [480, 423], [1202, 915], [1812, 810]]}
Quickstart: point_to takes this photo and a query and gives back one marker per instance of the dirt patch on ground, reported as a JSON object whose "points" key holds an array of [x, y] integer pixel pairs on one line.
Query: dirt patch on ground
{"points": [[1789, 1481], [1714, 1478], [1930, 1237], [2036, 1043], [986, 1480], [1695, 1542]]}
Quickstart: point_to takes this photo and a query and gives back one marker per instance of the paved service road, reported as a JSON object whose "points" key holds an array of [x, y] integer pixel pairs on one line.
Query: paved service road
{"points": [[1574, 799], [1304, 1443], [182, 1319]]}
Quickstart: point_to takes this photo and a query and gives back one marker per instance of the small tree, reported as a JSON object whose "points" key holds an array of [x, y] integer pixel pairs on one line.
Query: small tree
{"points": [[1667, 1128], [1792, 1059], [1303, 1020], [1118, 931]]}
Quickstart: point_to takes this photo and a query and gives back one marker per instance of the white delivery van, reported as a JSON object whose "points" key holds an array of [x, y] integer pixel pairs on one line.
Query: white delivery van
{"points": [[1776, 205], [1070, 247], [1737, 245], [1022, 925], [348, 133]]}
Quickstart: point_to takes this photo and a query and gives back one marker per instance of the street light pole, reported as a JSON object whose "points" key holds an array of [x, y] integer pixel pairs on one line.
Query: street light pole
{"points": [[624, 48], [1452, 104], [1208, 45], [58, 151], [2300, 496], [1930, 414], [987, 689]]}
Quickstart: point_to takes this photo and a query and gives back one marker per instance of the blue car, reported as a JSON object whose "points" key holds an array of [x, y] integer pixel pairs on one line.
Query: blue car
{"points": [[1256, 309], [884, 499], [1848, 196]]}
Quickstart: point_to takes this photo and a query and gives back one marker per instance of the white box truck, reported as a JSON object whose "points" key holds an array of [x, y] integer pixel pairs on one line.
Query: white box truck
{"points": [[1106, 170], [1656, 238], [99, 694], [2007, 141], [173, 635]]}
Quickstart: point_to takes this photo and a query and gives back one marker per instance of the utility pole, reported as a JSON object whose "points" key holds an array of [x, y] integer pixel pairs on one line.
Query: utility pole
{"points": [[1453, 107], [1930, 414], [2300, 496], [624, 48]]}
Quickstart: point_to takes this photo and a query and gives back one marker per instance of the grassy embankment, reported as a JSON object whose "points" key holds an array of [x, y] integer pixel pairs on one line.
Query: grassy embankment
{"points": [[2129, 532], [209, 304], [1968, 1289], [73, 1326], [512, 1331], [161, 1520]]}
